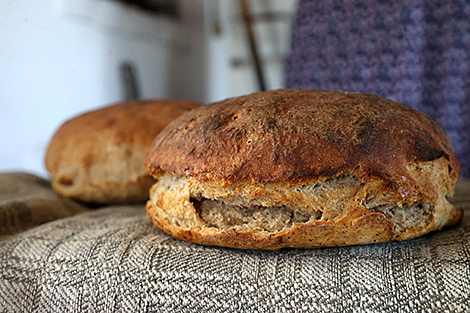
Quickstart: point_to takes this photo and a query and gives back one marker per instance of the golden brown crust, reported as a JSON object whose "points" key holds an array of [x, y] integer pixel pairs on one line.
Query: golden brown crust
{"points": [[98, 156], [295, 135], [360, 227], [273, 148]]}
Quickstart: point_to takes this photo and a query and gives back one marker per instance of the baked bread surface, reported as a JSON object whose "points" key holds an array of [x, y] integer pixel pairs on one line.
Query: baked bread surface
{"points": [[97, 157], [302, 169]]}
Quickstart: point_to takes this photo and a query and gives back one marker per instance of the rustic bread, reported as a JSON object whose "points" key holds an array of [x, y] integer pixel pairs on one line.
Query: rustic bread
{"points": [[98, 157], [302, 169]]}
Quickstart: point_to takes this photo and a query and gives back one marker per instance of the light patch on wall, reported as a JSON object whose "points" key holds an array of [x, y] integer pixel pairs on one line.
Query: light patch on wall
{"points": [[121, 19]]}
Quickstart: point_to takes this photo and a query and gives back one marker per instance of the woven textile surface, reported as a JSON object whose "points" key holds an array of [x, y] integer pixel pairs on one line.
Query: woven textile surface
{"points": [[416, 52], [27, 201], [114, 260]]}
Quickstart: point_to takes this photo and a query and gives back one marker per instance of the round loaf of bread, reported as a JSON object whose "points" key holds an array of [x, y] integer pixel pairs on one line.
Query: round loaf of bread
{"points": [[98, 157], [302, 169]]}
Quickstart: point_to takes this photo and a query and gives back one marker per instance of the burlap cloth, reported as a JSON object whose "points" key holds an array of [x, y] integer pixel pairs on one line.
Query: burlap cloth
{"points": [[114, 260], [27, 201]]}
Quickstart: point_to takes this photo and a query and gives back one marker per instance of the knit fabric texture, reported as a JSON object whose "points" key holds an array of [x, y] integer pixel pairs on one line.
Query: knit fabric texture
{"points": [[416, 52], [114, 260]]}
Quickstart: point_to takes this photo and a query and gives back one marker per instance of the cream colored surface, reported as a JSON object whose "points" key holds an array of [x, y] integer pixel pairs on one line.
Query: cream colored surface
{"points": [[116, 175]]}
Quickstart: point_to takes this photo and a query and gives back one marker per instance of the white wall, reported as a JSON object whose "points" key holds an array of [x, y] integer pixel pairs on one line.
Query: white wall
{"points": [[273, 36], [59, 58]]}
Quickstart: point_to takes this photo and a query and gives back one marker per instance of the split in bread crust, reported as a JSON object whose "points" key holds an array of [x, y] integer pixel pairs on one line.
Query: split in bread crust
{"points": [[328, 212]]}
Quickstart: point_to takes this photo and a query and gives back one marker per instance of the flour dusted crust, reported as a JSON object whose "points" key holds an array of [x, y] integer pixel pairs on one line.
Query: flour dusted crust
{"points": [[302, 169], [97, 157]]}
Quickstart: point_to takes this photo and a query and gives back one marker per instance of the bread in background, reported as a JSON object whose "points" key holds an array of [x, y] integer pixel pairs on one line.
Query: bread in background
{"points": [[97, 157]]}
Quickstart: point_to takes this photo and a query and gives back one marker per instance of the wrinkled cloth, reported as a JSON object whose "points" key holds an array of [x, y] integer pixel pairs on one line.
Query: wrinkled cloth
{"points": [[27, 201], [415, 52], [114, 259]]}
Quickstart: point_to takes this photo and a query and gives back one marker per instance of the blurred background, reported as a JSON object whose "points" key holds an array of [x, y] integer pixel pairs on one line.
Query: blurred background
{"points": [[60, 58]]}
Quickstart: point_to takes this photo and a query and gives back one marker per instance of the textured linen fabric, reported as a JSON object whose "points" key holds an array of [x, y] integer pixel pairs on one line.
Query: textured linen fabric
{"points": [[416, 52], [114, 260], [27, 201]]}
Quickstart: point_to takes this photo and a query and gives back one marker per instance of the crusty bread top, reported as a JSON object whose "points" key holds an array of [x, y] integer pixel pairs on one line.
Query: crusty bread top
{"points": [[299, 135], [134, 123]]}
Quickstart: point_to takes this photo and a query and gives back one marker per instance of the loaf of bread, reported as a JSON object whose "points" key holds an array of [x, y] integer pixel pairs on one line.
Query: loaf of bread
{"points": [[98, 157], [302, 169]]}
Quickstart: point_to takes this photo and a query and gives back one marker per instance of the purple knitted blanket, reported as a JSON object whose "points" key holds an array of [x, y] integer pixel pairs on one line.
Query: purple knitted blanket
{"points": [[416, 52]]}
